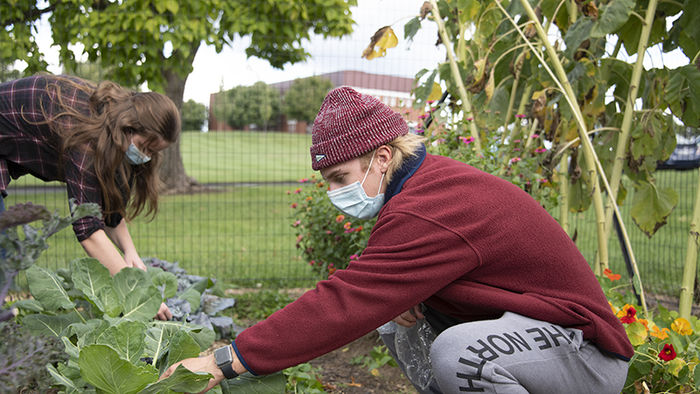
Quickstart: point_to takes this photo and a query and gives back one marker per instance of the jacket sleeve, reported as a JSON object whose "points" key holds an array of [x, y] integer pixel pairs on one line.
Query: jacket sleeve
{"points": [[406, 261], [83, 186]]}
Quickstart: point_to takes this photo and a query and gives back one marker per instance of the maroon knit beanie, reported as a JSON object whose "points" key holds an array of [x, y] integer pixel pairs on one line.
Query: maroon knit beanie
{"points": [[350, 124]]}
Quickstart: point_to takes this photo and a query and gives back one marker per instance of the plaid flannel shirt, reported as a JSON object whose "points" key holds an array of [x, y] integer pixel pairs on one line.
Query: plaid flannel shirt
{"points": [[28, 146]]}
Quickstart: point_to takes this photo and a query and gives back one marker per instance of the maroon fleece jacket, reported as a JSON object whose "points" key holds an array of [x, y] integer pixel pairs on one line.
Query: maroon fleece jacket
{"points": [[464, 242]]}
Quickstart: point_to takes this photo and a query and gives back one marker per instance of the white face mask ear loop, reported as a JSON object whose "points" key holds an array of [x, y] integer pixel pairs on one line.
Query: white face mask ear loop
{"points": [[380, 184], [368, 168]]}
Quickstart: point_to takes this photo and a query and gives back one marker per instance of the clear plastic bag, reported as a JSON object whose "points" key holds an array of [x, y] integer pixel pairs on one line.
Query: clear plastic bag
{"points": [[413, 350]]}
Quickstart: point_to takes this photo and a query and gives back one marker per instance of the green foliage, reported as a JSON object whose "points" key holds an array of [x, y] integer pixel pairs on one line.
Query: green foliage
{"points": [[666, 352], [378, 357], [246, 105], [259, 305], [304, 97], [304, 378], [106, 326], [194, 115], [327, 239]]}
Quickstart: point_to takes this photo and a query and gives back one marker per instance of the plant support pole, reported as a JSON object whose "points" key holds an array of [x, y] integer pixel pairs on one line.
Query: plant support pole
{"points": [[457, 76], [691, 260]]}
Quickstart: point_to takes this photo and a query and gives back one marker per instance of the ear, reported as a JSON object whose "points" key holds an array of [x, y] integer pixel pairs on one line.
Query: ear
{"points": [[383, 158]]}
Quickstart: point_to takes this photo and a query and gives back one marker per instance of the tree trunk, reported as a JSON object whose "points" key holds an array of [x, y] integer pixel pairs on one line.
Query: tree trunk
{"points": [[172, 170]]}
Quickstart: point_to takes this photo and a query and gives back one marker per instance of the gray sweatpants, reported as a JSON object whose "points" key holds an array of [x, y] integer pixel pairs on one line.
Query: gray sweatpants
{"points": [[516, 354]]}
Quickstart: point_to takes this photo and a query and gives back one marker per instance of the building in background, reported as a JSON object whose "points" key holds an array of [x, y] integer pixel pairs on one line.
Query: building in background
{"points": [[391, 90]]}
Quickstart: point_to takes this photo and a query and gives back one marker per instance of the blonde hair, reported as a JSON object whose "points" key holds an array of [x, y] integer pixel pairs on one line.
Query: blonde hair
{"points": [[402, 148]]}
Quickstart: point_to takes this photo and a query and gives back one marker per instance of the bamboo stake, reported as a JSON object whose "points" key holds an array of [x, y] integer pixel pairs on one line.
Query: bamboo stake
{"points": [[563, 193], [685, 304], [457, 76], [625, 129]]}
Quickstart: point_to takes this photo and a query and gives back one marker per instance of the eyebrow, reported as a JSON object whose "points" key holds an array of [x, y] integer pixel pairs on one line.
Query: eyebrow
{"points": [[334, 174]]}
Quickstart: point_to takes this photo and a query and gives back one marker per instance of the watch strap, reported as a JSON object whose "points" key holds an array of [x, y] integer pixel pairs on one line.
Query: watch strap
{"points": [[228, 371]]}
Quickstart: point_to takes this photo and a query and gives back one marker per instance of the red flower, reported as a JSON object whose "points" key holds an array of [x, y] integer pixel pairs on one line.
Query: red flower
{"points": [[628, 314], [668, 353]]}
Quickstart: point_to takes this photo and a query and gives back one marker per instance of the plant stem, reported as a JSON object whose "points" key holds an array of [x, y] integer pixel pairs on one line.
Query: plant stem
{"points": [[691, 259], [457, 76], [563, 192]]}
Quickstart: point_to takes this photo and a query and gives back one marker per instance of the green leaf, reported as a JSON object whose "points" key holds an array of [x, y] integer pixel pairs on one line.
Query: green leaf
{"points": [[48, 289], [182, 380], [140, 299], [411, 28], [182, 346], [249, 384], [127, 338], [158, 338], [579, 32], [193, 297], [102, 367], [651, 206], [613, 16], [55, 325], [61, 380], [165, 282], [30, 305], [94, 280], [89, 331]]}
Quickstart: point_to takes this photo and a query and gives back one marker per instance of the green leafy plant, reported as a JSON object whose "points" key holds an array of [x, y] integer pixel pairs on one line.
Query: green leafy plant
{"points": [[106, 326], [328, 240], [666, 352], [378, 357], [304, 378], [259, 305]]}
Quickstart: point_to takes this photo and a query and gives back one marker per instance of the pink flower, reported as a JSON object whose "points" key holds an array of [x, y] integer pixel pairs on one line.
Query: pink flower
{"points": [[467, 140], [516, 141], [520, 116], [297, 191], [303, 180], [422, 116], [515, 160], [312, 262], [297, 223], [329, 232], [535, 136], [469, 119], [543, 180], [540, 150], [516, 149], [420, 131], [294, 205], [430, 101]]}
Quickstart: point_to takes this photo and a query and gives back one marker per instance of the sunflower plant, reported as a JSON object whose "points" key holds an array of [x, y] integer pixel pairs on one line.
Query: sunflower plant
{"points": [[665, 344]]}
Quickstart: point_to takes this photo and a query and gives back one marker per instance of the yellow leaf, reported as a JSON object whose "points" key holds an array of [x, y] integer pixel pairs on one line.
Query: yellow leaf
{"points": [[435, 92], [490, 86], [383, 39], [636, 332], [374, 372], [674, 366]]}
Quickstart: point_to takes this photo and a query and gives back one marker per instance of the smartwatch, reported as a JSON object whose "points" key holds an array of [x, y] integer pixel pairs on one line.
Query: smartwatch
{"points": [[224, 358]]}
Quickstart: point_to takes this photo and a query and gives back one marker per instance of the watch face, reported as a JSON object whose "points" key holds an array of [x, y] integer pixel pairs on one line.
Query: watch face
{"points": [[223, 355]]}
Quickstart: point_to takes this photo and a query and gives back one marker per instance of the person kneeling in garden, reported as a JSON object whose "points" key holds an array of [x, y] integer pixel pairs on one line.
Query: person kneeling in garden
{"points": [[515, 306]]}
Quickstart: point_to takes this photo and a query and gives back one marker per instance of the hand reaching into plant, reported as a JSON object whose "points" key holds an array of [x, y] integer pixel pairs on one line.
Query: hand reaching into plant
{"points": [[198, 364], [410, 317]]}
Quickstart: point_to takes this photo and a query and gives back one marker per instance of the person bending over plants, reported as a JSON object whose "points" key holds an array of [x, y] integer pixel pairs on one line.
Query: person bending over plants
{"points": [[103, 141], [513, 303]]}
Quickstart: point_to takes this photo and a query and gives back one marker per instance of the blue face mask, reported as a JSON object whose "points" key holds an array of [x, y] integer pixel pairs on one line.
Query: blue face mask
{"points": [[135, 157], [353, 200]]}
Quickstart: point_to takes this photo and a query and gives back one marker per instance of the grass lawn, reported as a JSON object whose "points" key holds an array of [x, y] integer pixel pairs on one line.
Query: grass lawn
{"points": [[239, 234]]}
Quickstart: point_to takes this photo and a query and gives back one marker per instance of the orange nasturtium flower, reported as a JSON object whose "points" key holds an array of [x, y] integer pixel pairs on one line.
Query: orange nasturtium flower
{"points": [[681, 326], [668, 353], [627, 314], [613, 308], [613, 277], [659, 333]]}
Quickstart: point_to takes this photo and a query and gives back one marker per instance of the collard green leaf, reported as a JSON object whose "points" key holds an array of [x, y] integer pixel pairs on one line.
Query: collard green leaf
{"points": [[651, 207], [89, 331], [126, 338], [182, 346], [129, 280], [94, 280], [30, 305], [249, 384], [165, 282], [182, 380], [157, 340], [102, 367], [71, 349], [68, 384], [192, 296], [142, 304], [55, 325], [48, 289]]}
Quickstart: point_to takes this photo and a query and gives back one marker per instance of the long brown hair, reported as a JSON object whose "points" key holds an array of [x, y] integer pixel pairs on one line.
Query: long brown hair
{"points": [[115, 115]]}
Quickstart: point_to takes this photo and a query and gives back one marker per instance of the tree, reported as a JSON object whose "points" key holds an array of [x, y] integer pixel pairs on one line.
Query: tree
{"points": [[155, 41], [194, 115], [303, 99], [246, 105]]}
